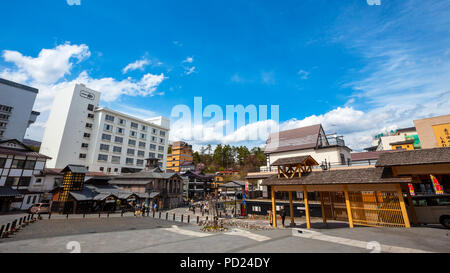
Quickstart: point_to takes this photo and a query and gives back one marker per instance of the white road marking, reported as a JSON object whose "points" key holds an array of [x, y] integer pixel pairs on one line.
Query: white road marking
{"points": [[178, 230], [350, 242], [247, 234]]}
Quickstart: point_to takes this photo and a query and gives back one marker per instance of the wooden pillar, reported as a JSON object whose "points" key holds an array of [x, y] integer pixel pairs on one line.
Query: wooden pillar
{"points": [[322, 204], [291, 208], [412, 210], [349, 209], [305, 200], [402, 206], [274, 208]]}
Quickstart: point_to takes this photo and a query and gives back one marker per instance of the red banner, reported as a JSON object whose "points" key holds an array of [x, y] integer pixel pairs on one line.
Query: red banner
{"points": [[437, 187]]}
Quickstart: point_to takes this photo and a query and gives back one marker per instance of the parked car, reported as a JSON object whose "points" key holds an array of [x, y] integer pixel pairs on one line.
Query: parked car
{"points": [[434, 209], [39, 208]]}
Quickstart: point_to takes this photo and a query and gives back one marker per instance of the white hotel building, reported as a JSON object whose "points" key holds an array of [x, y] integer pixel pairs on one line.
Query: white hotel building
{"points": [[79, 132]]}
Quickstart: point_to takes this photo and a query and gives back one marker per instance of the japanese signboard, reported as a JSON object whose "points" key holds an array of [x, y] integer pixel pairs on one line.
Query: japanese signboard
{"points": [[442, 133], [436, 186]]}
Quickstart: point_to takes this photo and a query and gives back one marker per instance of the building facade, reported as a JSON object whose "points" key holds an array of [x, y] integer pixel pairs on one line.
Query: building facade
{"points": [[396, 139], [434, 132], [81, 133], [181, 153], [18, 167], [16, 109], [310, 140]]}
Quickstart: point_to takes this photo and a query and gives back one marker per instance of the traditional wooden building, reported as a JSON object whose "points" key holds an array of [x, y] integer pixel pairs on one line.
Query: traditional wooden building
{"points": [[163, 188], [363, 196], [199, 185]]}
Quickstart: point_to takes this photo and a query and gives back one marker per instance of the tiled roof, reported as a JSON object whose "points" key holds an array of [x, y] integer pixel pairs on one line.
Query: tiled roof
{"points": [[294, 160], [7, 151], [350, 176], [75, 169], [368, 155], [415, 157], [295, 139]]}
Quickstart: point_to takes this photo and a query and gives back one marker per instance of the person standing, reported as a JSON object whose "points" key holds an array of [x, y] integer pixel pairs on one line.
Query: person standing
{"points": [[270, 217], [283, 215]]}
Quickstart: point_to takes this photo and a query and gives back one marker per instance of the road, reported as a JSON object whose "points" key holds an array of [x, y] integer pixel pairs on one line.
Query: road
{"points": [[148, 235]]}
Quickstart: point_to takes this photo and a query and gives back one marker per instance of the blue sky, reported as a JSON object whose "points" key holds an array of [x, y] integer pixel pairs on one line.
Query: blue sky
{"points": [[357, 69]]}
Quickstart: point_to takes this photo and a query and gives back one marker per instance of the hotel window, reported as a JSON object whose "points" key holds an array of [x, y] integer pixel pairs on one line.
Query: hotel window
{"points": [[84, 145], [152, 155], [108, 127], [133, 134], [90, 107], [82, 156], [144, 128], [5, 108], [29, 165], [2, 162], [130, 151], [89, 125], [120, 130], [161, 148], [86, 135], [38, 181], [117, 149], [118, 139], [4, 117], [102, 169], [18, 164], [131, 142], [143, 136], [109, 118], [154, 131], [141, 153], [104, 147], [153, 147], [162, 133], [129, 160], [102, 157], [122, 121], [90, 115], [106, 137], [160, 156], [115, 159], [134, 125], [24, 181], [153, 139], [141, 144], [140, 162], [116, 170], [161, 140]]}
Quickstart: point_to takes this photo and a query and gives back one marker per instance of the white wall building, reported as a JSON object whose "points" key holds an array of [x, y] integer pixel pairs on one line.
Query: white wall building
{"points": [[382, 142], [16, 109], [18, 166], [79, 132], [310, 140]]}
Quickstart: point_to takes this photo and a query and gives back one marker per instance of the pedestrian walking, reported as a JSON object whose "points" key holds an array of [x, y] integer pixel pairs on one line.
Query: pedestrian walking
{"points": [[283, 215], [270, 217]]}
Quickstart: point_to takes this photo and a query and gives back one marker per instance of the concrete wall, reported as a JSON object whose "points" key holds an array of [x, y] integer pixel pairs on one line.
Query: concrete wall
{"points": [[331, 154]]}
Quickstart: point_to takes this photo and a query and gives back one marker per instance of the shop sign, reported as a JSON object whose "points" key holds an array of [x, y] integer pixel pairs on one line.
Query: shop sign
{"points": [[442, 133], [411, 189], [436, 186]]}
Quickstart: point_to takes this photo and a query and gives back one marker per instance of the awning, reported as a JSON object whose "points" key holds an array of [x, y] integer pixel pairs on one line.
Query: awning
{"points": [[8, 192]]}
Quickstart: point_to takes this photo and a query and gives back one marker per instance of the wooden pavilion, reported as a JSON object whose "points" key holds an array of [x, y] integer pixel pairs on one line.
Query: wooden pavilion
{"points": [[363, 196]]}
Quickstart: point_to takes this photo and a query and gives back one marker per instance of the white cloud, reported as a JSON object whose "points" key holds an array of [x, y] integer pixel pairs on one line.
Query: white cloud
{"points": [[189, 71], [48, 72], [268, 78], [303, 74], [189, 60], [50, 65], [139, 64], [74, 2]]}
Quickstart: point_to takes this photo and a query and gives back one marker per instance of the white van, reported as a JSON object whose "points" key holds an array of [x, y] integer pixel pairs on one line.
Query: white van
{"points": [[432, 209]]}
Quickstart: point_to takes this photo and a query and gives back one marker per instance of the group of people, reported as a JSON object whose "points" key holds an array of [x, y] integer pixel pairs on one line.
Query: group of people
{"points": [[203, 205], [140, 210]]}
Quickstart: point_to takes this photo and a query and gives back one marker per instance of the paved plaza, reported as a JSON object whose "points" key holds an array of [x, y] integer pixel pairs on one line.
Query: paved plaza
{"points": [[131, 234]]}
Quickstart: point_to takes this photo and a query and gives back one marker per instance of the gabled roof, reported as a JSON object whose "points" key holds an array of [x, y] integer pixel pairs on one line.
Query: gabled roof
{"points": [[75, 169], [305, 159], [415, 157], [295, 139], [19, 149], [348, 176]]}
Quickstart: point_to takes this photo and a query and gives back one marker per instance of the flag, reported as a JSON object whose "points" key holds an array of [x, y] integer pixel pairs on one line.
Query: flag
{"points": [[436, 186], [411, 189]]}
